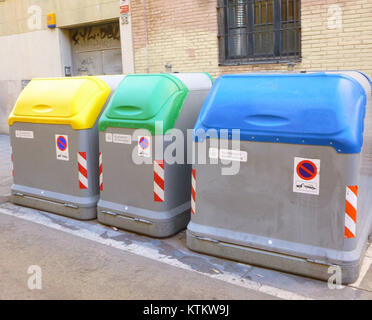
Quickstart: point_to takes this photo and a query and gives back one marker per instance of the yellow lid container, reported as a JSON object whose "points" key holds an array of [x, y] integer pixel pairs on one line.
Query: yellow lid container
{"points": [[75, 101]]}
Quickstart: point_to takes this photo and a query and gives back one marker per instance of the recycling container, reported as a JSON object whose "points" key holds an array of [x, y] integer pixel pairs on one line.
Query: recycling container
{"points": [[297, 193], [54, 139], [149, 195]]}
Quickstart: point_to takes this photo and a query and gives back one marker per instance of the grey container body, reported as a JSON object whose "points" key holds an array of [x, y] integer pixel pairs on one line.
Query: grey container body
{"points": [[41, 181], [255, 217], [127, 198]]}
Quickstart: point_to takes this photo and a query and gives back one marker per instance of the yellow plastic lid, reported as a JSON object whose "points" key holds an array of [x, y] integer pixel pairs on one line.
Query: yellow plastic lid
{"points": [[75, 101]]}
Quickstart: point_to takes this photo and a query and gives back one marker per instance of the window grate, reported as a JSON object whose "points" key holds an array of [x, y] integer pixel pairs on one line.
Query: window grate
{"points": [[259, 31]]}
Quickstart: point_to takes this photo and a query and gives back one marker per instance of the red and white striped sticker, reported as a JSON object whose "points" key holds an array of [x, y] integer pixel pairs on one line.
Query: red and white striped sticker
{"points": [[11, 157], [351, 207], [83, 170], [193, 191], [100, 172], [159, 180]]}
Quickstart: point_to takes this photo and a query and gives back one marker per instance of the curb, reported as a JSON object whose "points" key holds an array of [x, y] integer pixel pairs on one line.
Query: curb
{"points": [[4, 198]]}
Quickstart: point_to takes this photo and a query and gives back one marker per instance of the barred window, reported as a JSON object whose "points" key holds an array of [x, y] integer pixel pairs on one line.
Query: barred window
{"points": [[259, 31]]}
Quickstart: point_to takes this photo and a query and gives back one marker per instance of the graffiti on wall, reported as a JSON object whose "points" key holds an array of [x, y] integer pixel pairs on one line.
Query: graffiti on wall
{"points": [[96, 49], [96, 37]]}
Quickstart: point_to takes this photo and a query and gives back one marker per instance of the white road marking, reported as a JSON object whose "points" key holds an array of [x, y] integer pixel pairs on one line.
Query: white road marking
{"points": [[153, 254], [367, 262], [369, 251]]}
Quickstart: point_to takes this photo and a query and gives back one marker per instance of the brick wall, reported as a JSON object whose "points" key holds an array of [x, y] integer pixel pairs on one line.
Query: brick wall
{"points": [[349, 47], [183, 33]]}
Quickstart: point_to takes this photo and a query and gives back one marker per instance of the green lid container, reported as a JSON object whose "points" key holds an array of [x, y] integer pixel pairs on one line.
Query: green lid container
{"points": [[142, 99]]}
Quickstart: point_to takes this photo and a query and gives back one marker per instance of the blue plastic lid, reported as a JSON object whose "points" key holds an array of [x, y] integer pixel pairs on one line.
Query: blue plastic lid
{"points": [[309, 109]]}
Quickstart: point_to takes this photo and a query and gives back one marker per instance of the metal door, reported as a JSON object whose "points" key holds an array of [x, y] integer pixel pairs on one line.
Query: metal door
{"points": [[96, 49]]}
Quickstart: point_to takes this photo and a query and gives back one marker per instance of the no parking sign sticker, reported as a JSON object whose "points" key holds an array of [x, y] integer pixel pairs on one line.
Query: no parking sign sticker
{"points": [[306, 175], [62, 147], [144, 146]]}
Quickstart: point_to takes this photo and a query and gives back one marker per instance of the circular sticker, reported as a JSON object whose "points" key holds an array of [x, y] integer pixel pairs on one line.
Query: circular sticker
{"points": [[61, 143], [143, 142], [306, 170]]}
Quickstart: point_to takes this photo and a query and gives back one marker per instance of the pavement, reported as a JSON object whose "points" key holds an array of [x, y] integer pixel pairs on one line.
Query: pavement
{"points": [[87, 260]]}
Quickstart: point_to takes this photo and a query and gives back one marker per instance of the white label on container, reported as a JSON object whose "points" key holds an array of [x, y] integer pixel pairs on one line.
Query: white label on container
{"points": [[213, 153], [144, 146], [62, 147], [24, 134], [122, 138], [306, 175], [233, 155], [227, 154], [108, 137]]}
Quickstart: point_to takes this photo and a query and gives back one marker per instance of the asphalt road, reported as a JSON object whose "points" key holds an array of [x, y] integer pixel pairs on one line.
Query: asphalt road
{"points": [[76, 268]]}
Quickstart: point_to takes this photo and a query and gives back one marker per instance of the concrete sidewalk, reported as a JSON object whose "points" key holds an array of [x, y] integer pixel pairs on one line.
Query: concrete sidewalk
{"points": [[86, 260], [76, 268]]}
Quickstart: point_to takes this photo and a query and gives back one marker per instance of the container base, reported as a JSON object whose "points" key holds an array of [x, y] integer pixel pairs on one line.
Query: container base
{"points": [[75, 207], [152, 223], [272, 260]]}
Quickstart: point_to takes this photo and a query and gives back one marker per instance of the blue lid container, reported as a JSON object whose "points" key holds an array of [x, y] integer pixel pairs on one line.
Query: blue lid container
{"points": [[324, 109]]}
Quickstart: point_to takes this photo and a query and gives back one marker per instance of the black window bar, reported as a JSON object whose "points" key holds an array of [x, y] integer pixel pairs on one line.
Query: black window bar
{"points": [[259, 31]]}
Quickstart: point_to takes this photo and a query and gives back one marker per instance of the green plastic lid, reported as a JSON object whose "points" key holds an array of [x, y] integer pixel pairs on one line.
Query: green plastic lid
{"points": [[142, 99]]}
